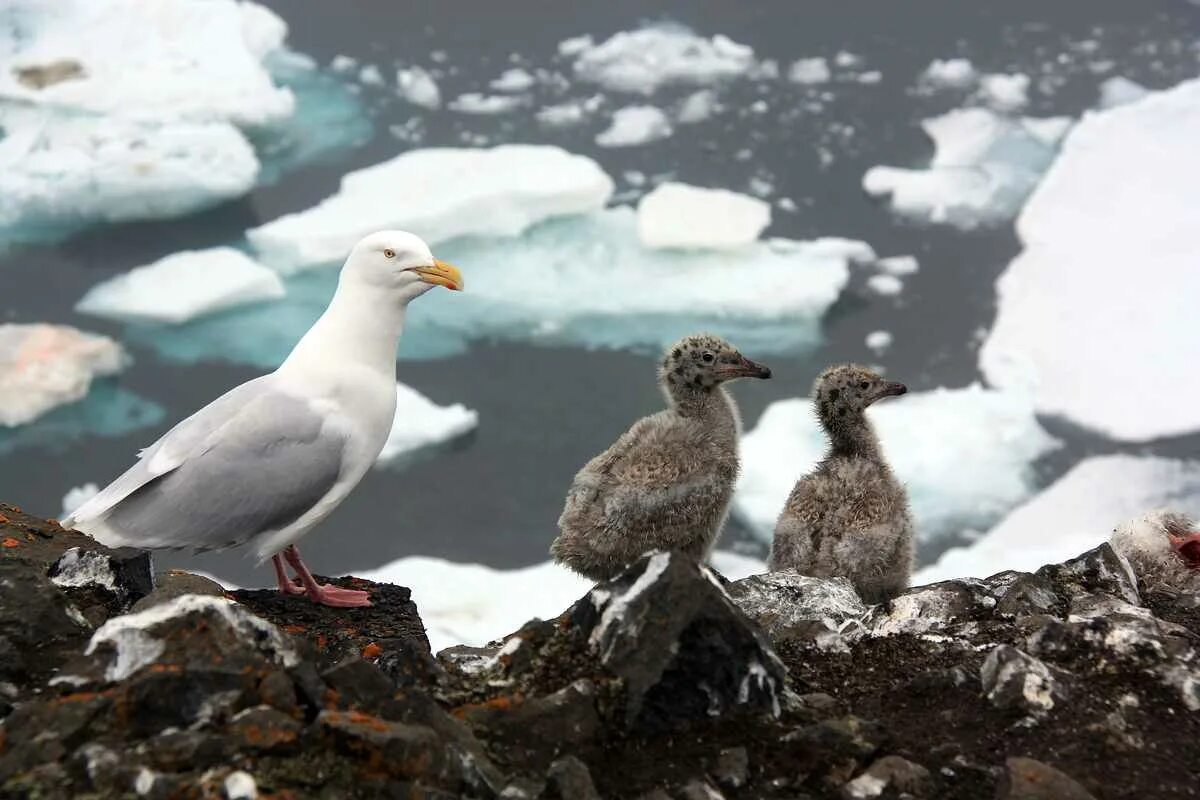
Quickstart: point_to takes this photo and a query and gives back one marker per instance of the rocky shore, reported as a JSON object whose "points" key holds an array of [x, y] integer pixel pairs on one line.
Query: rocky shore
{"points": [[669, 682]]}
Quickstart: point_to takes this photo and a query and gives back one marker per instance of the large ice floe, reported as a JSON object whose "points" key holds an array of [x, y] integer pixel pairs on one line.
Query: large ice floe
{"points": [[677, 215], [118, 110], [984, 166], [473, 604], [437, 193], [965, 456], [1077, 512], [183, 286], [421, 423], [46, 366], [1097, 316], [645, 60]]}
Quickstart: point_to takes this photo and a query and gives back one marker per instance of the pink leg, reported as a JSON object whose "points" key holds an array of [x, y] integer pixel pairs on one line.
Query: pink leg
{"points": [[1188, 548], [286, 584], [325, 595]]}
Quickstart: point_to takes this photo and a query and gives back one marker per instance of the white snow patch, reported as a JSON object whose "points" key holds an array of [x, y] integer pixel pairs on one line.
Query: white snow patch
{"points": [[635, 125], [240, 785], [1120, 91], [418, 87], [980, 468], [613, 607], [85, 568], [1005, 93], [514, 80], [485, 104], [678, 215], [446, 193], [642, 61], [183, 286], [1097, 316], [983, 168], [419, 422], [809, 71], [1078, 512], [950, 73], [45, 366]]}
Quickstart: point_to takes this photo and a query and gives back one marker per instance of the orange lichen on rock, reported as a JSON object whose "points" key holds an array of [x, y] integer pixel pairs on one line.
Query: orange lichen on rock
{"points": [[10, 542], [502, 703], [373, 650]]}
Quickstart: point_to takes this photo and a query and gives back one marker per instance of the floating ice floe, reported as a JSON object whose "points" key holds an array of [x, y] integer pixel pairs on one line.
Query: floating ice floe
{"points": [[885, 284], [418, 87], [697, 107], [447, 192], [117, 110], [983, 168], [644, 60], [1119, 91], [473, 604], [514, 80], [422, 423], [809, 71], [485, 104], [879, 341], [634, 125], [980, 467], [571, 112], [370, 75], [46, 366], [950, 73], [898, 265], [677, 215], [1006, 93], [183, 286], [1076, 513], [1096, 317]]}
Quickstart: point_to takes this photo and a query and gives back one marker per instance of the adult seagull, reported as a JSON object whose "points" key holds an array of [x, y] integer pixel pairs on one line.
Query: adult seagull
{"points": [[267, 461]]}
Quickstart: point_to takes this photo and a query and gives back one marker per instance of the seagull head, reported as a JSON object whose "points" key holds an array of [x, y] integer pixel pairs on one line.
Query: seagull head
{"points": [[400, 263], [703, 362]]}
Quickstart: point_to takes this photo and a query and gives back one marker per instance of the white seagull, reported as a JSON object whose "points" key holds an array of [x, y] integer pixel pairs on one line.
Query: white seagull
{"points": [[268, 460]]}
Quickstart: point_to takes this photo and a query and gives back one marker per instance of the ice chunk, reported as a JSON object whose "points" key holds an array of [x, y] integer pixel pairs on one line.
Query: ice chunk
{"points": [[846, 59], [644, 60], [77, 496], [370, 75], [898, 265], [571, 112], [183, 286], [343, 63], [682, 216], [980, 468], [65, 171], [485, 104], [1078, 512], [950, 73], [634, 125], [106, 411], [575, 45], [422, 423], [1007, 93], [473, 604], [1097, 316], [870, 77], [513, 80], [809, 70], [879, 341], [447, 192], [885, 284], [418, 87], [983, 168], [45, 366], [697, 107], [1119, 91]]}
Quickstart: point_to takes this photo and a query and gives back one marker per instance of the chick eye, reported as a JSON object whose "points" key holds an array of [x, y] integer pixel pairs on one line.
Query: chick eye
{"points": [[707, 357], [389, 253], [864, 385]]}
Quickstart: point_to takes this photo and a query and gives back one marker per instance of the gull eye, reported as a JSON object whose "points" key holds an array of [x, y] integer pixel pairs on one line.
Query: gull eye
{"points": [[708, 358], [389, 253], [864, 386]]}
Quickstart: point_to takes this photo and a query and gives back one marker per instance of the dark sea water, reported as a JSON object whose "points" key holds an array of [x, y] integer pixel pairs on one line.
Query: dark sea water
{"points": [[494, 496]]}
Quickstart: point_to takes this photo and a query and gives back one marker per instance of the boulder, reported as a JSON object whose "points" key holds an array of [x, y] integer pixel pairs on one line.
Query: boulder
{"points": [[826, 612]]}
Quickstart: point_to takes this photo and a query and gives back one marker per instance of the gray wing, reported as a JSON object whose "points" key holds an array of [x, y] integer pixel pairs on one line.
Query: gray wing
{"points": [[251, 462]]}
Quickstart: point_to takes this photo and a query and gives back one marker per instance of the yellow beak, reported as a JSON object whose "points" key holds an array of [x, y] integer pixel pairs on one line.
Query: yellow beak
{"points": [[442, 274]]}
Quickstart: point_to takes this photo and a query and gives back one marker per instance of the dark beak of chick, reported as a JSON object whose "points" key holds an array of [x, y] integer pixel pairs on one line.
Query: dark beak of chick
{"points": [[889, 389], [745, 369]]}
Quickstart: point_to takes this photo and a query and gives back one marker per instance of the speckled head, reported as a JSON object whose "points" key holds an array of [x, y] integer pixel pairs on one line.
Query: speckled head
{"points": [[844, 392], [703, 362]]}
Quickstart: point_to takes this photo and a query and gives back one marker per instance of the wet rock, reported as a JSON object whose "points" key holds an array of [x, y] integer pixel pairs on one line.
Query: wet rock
{"points": [[788, 605], [568, 779], [1100, 570], [940, 607], [732, 769], [176, 583], [1013, 679], [684, 650], [125, 572], [1027, 779], [899, 775]]}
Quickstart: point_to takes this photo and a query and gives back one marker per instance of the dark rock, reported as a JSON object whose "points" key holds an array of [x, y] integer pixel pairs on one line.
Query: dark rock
{"points": [[819, 703], [358, 684], [47, 730], [899, 775], [538, 729], [176, 583], [943, 607], [407, 663], [1013, 679], [125, 572], [697, 789], [38, 626], [732, 769], [568, 779], [1021, 594], [465, 660], [788, 605], [264, 729], [1100, 570], [684, 650], [835, 749], [404, 751], [1027, 779], [179, 750], [935, 680]]}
